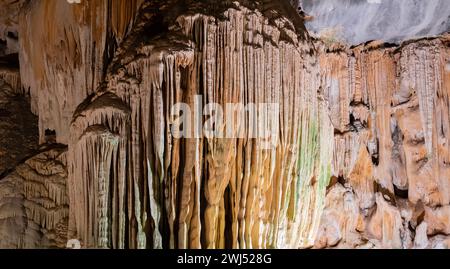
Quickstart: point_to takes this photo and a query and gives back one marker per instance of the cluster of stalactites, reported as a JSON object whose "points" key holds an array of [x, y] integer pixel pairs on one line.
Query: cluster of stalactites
{"points": [[64, 51], [34, 202], [204, 192]]}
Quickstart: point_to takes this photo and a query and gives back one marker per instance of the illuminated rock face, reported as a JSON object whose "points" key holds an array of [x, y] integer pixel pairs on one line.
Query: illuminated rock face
{"points": [[390, 108], [202, 192], [106, 89], [360, 158]]}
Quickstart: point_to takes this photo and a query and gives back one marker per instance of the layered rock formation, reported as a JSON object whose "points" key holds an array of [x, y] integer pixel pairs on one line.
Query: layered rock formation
{"points": [[359, 159]]}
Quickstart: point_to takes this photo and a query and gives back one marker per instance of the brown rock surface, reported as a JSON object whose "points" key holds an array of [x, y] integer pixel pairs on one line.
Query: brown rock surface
{"points": [[390, 109], [199, 192], [34, 203], [9, 22]]}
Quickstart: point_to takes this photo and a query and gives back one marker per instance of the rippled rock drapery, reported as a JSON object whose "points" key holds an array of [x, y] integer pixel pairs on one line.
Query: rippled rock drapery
{"points": [[34, 203], [390, 108], [63, 57], [210, 193]]}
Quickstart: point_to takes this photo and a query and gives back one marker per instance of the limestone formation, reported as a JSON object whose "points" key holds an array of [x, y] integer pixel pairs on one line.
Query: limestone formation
{"points": [[210, 193], [18, 126], [390, 109], [63, 58], [359, 157]]}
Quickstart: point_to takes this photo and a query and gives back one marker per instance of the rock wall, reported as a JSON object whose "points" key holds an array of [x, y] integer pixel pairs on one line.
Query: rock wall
{"points": [[359, 21], [390, 109], [9, 22]]}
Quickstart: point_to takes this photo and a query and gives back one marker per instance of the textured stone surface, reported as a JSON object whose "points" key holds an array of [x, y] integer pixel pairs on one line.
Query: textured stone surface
{"points": [[210, 193], [34, 203], [361, 158], [390, 110], [359, 21], [63, 57], [9, 22], [18, 126]]}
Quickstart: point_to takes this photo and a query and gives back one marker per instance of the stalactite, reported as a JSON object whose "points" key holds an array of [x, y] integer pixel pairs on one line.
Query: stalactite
{"points": [[11, 76], [99, 151], [360, 157], [189, 187], [424, 77]]}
